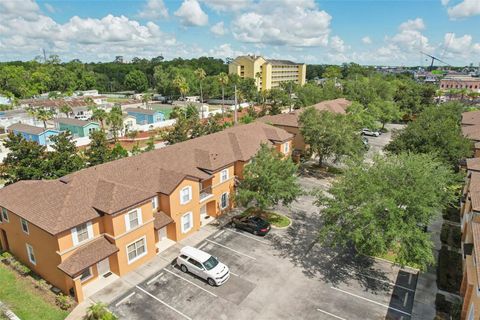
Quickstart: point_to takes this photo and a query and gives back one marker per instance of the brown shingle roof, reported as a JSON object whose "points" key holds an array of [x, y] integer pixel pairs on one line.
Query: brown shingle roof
{"points": [[58, 205], [473, 164], [283, 119], [26, 128], [336, 106], [74, 122], [476, 244], [471, 118], [86, 256], [161, 220]]}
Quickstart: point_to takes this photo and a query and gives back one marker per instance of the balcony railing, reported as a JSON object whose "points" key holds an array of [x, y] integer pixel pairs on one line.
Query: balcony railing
{"points": [[206, 193]]}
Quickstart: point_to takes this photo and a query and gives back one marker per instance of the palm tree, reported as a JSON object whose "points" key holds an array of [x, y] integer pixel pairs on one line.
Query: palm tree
{"points": [[44, 115], [115, 121], [200, 73], [99, 311], [223, 80], [146, 97], [98, 114], [65, 108], [182, 85]]}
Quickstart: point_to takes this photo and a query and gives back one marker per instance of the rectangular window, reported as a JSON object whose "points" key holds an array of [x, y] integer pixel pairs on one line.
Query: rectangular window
{"points": [[154, 203], [224, 175], [187, 222], [87, 274], [5, 214], [133, 219], [31, 254], [136, 250], [82, 233], [25, 226], [286, 148], [224, 201], [185, 195]]}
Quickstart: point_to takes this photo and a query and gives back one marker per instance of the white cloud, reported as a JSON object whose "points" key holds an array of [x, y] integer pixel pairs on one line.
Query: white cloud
{"points": [[227, 5], [49, 8], [153, 9], [191, 14], [337, 44], [218, 29], [445, 2], [464, 9], [460, 48], [283, 22], [416, 24], [225, 51], [366, 40], [410, 38]]}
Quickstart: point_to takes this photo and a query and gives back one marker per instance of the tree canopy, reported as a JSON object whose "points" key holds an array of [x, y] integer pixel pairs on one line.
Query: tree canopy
{"points": [[382, 208]]}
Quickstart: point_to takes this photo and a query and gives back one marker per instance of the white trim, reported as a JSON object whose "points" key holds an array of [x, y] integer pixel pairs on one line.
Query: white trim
{"points": [[221, 175], [221, 198], [286, 147], [5, 214], [155, 203], [30, 253], [128, 227], [144, 238], [189, 188], [74, 233], [182, 224], [22, 221]]}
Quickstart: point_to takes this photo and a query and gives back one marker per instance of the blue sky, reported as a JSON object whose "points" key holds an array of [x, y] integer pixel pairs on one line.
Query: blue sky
{"points": [[385, 32]]}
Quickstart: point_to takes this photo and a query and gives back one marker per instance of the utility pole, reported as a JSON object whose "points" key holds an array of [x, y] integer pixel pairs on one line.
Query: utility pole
{"points": [[235, 112]]}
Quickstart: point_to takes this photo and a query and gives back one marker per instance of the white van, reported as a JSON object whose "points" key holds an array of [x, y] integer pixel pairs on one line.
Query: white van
{"points": [[203, 265]]}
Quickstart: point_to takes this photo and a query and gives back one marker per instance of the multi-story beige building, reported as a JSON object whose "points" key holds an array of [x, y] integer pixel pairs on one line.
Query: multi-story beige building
{"points": [[268, 74]]}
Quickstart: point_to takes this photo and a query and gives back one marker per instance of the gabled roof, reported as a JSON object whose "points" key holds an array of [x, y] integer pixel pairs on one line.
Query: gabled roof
{"points": [[75, 122], [142, 111], [21, 127], [58, 205]]}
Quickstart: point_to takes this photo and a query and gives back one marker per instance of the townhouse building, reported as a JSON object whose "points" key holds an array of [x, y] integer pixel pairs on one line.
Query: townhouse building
{"points": [[112, 218], [268, 73]]}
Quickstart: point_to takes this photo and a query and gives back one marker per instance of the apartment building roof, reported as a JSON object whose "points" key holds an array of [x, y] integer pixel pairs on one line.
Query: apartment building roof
{"points": [[471, 117], [476, 244], [473, 164], [86, 256], [21, 127], [283, 62], [58, 205], [74, 122]]}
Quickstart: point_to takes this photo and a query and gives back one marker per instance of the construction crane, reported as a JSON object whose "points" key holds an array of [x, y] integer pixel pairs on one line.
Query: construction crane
{"points": [[433, 60]]}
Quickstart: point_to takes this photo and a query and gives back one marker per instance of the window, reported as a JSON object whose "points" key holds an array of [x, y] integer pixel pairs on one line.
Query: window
{"points": [[286, 147], [82, 233], [155, 203], [87, 274], [5, 214], [224, 201], [31, 254], [136, 250], [133, 219], [224, 175], [185, 195], [187, 222], [25, 226], [195, 263]]}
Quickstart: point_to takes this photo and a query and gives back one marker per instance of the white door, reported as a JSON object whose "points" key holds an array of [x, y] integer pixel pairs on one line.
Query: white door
{"points": [[162, 234], [103, 267], [203, 212]]}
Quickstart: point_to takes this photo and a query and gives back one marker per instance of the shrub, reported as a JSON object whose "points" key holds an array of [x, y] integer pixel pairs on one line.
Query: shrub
{"points": [[99, 311], [456, 237], [22, 269], [444, 233], [42, 284], [449, 271], [63, 302], [6, 256]]}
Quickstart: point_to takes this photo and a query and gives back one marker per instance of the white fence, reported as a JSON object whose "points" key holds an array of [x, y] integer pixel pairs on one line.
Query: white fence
{"points": [[151, 126]]}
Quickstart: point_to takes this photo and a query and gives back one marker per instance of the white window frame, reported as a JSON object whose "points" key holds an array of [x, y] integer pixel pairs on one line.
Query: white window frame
{"points": [[286, 147], [144, 238], [189, 188], [154, 203], [182, 224], [221, 200], [139, 218], [24, 225], [30, 253], [224, 175], [75, 234], [5, 215]]}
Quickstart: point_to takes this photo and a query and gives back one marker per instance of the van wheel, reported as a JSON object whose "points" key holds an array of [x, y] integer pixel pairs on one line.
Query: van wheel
{"points": [[184, 268], [211, 282]]}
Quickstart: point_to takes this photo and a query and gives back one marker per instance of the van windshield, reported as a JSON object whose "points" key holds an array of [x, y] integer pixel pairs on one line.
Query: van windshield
{"points": [[210, 263]]}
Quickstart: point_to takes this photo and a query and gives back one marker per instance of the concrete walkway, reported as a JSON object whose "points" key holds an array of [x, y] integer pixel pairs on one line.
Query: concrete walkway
{"points": [[130, 280], [424, 301]]}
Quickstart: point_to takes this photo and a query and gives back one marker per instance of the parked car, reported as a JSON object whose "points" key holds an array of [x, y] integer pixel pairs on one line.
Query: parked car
{"points": [[203, 265], [252, 224], [368, 132]]}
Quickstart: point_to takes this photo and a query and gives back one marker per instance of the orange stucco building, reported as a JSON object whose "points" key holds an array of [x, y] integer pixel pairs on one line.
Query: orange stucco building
{"points": [[111, 218]]}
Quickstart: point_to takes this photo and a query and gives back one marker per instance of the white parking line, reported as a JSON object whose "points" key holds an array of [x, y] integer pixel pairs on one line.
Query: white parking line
{"points": [[246, 236], [236, 275], [218, 234], [164, 303], [385, 281], [124, 299], [196, 285], [375, 302], [202, 245], [406, 299], [154, 278], [238, 252], [330, 314]]}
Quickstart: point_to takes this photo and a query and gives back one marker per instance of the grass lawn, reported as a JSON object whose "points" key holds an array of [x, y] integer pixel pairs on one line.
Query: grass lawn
{"points": [[22, 298], [275, 219]]}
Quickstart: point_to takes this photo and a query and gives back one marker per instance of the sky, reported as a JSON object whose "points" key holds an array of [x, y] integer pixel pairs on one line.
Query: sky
{"points": [[379, 32]]}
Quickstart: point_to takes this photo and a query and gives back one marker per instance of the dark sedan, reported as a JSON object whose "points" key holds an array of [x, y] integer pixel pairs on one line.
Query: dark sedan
{"points": [[252, 224]]}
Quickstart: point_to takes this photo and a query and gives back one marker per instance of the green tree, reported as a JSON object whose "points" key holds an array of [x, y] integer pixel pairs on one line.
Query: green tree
{"points": [[64, 158], [99, 115], [42, 114], [99, 311], [268, 180], [25, 161], [67, 109], [332, 72], [117, 152], [179, 132], [330, 135], [385, 111], [146, 97], [98, 152], [181, 84], [136, 80], [150, 145], [381, 208], [437, 130], [115, 121]]}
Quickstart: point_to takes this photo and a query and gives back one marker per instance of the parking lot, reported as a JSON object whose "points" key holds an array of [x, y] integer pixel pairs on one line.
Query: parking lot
{"points": [[285, 275]]}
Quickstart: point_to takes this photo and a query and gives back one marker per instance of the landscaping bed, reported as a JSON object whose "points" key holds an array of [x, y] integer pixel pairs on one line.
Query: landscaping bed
{"points": [[451, 213], [447, 310], [275, 219], [451, 235], [449, 271]]}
